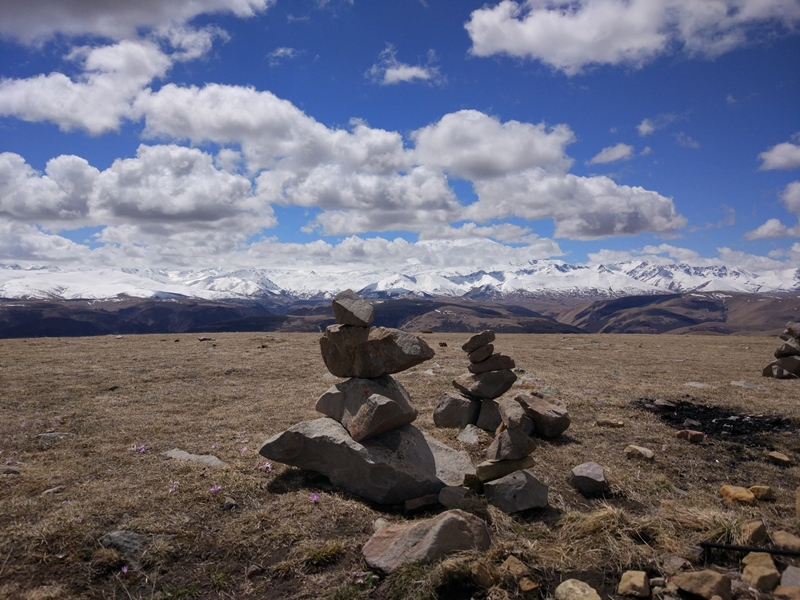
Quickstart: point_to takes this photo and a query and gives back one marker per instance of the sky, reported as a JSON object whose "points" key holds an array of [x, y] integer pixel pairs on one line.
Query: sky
{"points": [[275, 133]]}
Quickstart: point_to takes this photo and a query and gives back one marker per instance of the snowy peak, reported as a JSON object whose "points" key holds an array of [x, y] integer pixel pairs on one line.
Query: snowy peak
{"points": [[539, 278]]}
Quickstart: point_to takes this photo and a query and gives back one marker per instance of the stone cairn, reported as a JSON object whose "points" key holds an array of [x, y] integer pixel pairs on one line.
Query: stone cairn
{"points": [[505, 476], [365, 443], [787, 355]]}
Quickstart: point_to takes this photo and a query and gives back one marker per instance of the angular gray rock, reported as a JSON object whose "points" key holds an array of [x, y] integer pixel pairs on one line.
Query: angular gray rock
{"points": [[485, 385], [549, 420], [489, 416], [496, 362], [510, 444], [456, 410], [456, 496], [350, 309], [513, 415], [518, 491], [368, 407], [589, 478], [481, 353], [790, 347], [350, 351], [478, 340], [792, 331], [639, 452], [390, 468], [425, 541]]}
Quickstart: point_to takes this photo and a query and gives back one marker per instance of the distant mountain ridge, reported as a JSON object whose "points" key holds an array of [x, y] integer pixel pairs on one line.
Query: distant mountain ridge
{"points": [[548, 278]]}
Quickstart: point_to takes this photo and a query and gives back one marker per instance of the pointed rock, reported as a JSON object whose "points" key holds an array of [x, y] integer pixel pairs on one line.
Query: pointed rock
{"points": [[390, 468], [496, 362], [549, 420], [478, 340], [518, 491], [350, 351], [489, 416], [510, 444], [350, 309], [426, 540], [513, 415], [485, 385], [368, 407], [456, 410]]}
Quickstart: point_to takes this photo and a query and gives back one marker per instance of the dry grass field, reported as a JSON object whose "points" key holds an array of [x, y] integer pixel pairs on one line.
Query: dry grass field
{"points": [[122, 402]]}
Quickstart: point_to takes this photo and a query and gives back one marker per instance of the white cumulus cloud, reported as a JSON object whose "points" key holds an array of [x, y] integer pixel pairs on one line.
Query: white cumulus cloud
{"points": [[570, 35], [388, 70], [473, 145], [773, 228], [785, 155], [612, 154]]}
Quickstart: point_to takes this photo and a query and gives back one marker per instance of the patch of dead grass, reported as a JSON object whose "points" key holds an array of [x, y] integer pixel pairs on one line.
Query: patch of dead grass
{"points": [[224, 397]]}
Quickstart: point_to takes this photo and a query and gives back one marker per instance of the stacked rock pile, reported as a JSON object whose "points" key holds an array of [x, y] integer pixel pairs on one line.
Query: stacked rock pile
{"points": [[787, 363], [365, 443], [505, 476], [490, 376]]}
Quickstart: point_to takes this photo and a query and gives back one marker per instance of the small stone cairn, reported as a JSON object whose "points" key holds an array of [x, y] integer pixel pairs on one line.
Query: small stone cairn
{"points": [[365, 443], [505, 476], [787, 363]]}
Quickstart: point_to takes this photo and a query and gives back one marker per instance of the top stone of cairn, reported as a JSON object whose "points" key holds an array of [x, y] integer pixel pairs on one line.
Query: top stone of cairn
{"points": [[478, 340], [350, 309]]}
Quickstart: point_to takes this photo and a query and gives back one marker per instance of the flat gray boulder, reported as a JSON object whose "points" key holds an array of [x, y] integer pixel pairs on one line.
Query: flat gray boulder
{"points": [[456, 410], [351, 351], [395, 466], [518, 491], [481, 353], [485, 385], [368, 407], [549, 420], [496, 362], [350, 309], [476, 341], [426, 540]]}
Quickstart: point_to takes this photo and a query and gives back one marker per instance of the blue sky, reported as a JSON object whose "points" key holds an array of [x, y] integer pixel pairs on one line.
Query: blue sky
{"points": [[453, 134]]}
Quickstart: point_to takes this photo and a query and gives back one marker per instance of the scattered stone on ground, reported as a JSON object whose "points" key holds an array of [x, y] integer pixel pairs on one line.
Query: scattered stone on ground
{"points": [[609, 423], [779, 458], [573, 589], [208, 460], [791, 576], [762, 492], [589, 478], [755, 533], [785, 540], [737, 494], [130, 545], [760, 572], [640, 452], [518, 491], [690, 435], [634, 583], [426, 540], [706, 584]]}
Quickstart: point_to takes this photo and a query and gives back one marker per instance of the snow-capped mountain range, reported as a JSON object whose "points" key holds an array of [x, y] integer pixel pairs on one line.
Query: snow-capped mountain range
{"points": [[548, 277]]}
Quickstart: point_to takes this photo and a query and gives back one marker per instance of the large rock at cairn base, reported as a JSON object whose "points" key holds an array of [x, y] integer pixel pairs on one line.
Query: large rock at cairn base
{"points": [[350, 351], [390, 468], [350, 309], [456, 410], [485, 385], [426, 540], [368, 407]]}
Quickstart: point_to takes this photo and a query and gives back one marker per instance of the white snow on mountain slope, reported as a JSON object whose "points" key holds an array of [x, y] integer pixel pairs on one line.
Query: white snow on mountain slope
{"points": [[538, 277]]}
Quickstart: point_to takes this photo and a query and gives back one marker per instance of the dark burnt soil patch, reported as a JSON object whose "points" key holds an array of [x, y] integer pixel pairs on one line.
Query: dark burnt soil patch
{"points": [[752, 430]]}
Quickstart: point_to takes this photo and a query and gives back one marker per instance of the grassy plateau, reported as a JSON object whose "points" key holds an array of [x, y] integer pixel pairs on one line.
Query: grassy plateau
{"points": [[84, 423]]}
